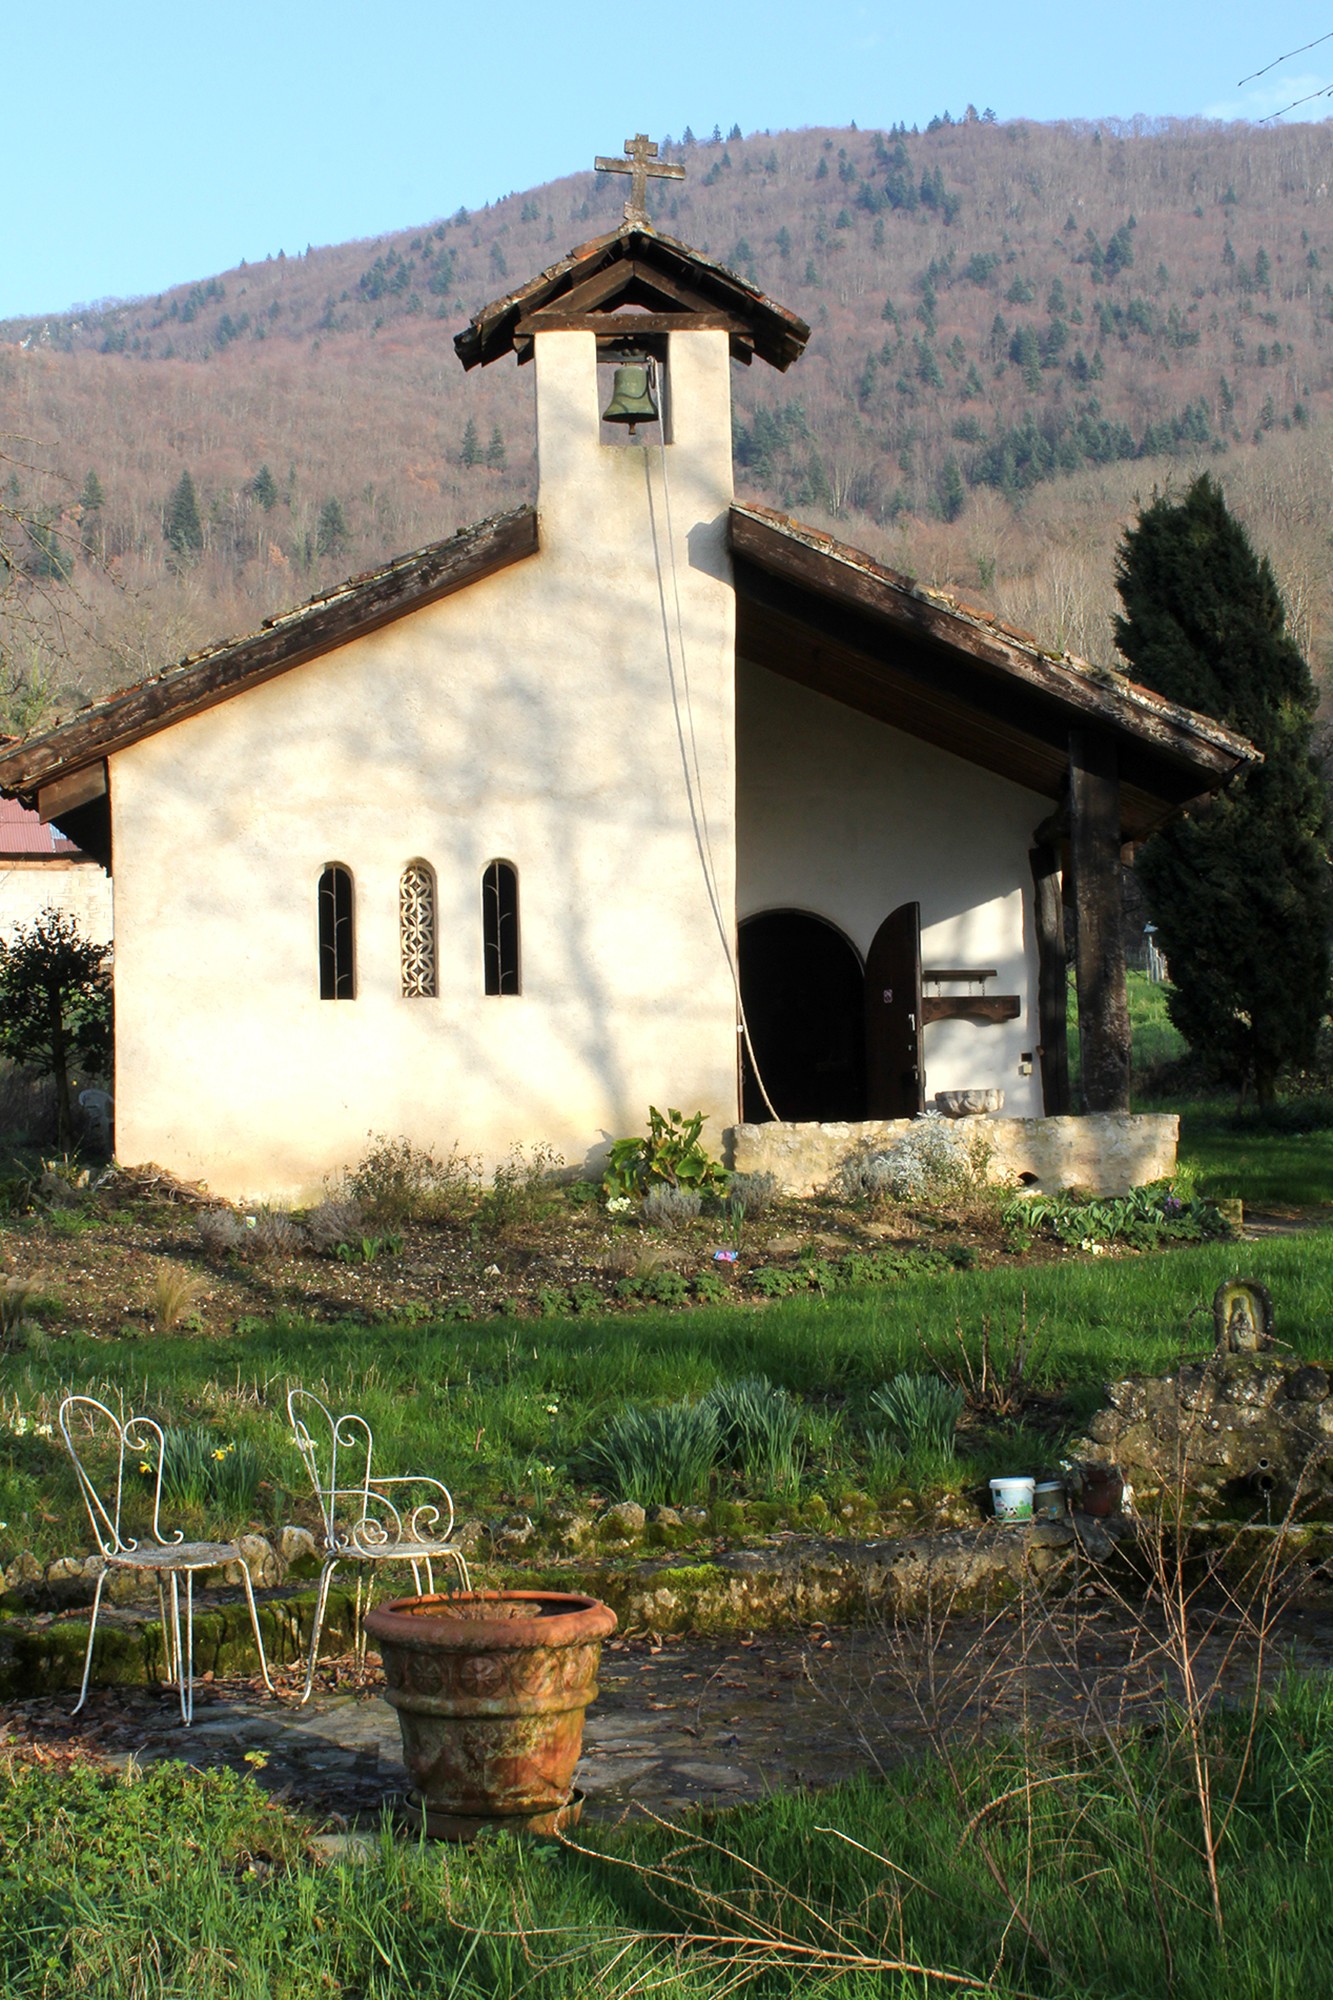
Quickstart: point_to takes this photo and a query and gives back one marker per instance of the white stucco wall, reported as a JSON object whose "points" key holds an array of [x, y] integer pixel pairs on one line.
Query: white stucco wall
{"points": [[81, 889], [572, 715], [846, 818]]}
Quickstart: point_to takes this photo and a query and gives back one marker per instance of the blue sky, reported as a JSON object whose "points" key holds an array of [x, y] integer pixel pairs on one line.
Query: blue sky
{"points": [[148, 143]]}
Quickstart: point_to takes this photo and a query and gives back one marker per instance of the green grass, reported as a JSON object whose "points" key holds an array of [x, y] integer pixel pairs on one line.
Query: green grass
{"points": [[1232, 1154], [1052, 1869], [483, 1406]]}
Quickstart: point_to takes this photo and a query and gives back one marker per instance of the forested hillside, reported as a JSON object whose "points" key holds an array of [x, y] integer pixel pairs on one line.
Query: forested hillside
{"points": [[1018, 330]]}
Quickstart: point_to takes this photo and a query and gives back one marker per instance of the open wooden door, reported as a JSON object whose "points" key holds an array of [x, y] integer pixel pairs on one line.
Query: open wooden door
{"points": [[895, 1085]]}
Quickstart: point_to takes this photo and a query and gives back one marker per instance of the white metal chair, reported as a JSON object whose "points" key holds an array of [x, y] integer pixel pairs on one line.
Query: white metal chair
{"points": [[103, 1436], [363, 1523]]}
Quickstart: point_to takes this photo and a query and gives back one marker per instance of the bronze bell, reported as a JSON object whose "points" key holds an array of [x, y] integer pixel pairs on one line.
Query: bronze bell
{"points": [[632, 400]]}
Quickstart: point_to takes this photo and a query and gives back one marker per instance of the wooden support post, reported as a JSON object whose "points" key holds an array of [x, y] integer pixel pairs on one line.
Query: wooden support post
{"points": [[1099, 930], [1052, 983]]}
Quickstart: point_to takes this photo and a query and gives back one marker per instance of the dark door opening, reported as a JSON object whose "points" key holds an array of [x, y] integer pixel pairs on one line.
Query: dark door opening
{"points": [[895, 1084], [803, 992]]}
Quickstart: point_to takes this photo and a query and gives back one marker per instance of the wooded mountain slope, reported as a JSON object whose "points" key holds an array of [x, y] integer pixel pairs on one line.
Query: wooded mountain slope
{"points": [[1018, 330]]}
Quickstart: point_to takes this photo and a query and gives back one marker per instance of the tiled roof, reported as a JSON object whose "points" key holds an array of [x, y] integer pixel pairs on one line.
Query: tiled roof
{"points": [[23, 834]]}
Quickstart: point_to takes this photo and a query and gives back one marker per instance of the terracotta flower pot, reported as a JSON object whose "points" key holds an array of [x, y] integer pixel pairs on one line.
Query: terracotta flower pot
{"points": [[490, 1688]]}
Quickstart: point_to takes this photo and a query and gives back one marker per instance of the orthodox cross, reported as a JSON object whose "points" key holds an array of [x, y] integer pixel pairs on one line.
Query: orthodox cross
{"points": [[642, 161]]}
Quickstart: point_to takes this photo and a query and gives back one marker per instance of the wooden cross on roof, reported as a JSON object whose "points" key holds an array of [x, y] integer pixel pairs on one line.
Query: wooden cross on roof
{"points": [[642, 161]]}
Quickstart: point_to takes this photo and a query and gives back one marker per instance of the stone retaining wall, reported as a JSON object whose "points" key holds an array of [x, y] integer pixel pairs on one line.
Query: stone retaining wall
{"points": [[1105, 1152], [1255, 1430]]}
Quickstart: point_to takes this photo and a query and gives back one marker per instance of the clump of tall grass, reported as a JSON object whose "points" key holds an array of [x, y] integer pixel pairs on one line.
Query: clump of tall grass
{"points": [[15, 1295], [204, 1475], [759, 1433], [175, 1299], [922, 1412], [661, 1457]]}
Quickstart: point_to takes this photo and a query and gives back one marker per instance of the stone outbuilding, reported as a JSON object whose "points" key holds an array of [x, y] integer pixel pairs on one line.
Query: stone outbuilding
{"points": [[636, 795]]}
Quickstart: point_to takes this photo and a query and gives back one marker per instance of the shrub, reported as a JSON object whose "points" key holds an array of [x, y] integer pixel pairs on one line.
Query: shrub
{"points": [[520, 1191], [936, 1160], [922, 1412], [758, 1432], [14, 1296], [398, 1182], [660, 1457], [671, 1208], [756, 1193], [269, 1232], [333, 1222]]}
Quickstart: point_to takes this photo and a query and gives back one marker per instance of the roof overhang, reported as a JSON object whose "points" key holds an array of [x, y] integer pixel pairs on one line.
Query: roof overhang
{"points": [[632, 283], [825, 615]]}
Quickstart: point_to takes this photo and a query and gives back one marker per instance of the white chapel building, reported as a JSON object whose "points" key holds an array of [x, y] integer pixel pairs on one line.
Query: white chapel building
{"points": [[635, 796]]}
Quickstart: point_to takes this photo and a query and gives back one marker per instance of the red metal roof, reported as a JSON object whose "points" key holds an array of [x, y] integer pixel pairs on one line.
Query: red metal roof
{"points": [[22, 833]]}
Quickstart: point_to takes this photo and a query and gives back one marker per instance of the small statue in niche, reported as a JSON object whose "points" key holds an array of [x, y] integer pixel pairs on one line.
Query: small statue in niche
{"points": [[1242, 1316]]}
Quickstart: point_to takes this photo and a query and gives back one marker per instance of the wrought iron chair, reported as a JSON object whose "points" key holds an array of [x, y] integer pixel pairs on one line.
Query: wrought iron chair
{"points": [[166, 1558], [363, 1523]]}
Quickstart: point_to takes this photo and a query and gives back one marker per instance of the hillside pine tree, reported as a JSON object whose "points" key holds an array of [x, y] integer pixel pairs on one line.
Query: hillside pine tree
{"points": [[331, 533], [471, 453], [264, 488], [1241, 892], [181, 524]]}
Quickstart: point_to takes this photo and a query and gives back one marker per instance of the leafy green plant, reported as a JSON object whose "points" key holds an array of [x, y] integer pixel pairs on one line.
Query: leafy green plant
{"points": [[670, 1154], [368, 1249], [922, 1411], [1159, 1212], [659, 1457], [759, 1428]]}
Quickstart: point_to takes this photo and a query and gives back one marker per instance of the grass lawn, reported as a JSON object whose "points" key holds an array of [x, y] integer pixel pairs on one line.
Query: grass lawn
{"points": [[501, 1408], [1066, 1869]]}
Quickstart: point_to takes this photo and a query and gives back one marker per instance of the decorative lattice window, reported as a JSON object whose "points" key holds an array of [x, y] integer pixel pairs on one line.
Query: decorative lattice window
{"points": [[416, 931], [337, 960], [499, 924]]}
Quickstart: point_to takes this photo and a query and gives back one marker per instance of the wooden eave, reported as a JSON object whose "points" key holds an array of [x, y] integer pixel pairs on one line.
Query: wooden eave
{"points": [[663, 283], [67, 762], [830, 618]]}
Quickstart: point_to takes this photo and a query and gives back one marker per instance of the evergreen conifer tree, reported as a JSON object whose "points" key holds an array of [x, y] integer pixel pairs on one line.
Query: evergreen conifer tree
{"points": [[264, 488], [495, 450], [471, 453], [93, 497], [331, 531], [1241, 892], [181, 524]]}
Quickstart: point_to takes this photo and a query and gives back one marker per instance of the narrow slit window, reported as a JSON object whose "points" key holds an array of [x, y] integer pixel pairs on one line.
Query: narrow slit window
{"points": [[499, 918], [337, 968], [416, 931]]}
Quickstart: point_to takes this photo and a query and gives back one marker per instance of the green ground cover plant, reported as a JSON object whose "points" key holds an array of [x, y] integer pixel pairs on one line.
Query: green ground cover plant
{"points": [[1063, 1867], [471, 1401]]}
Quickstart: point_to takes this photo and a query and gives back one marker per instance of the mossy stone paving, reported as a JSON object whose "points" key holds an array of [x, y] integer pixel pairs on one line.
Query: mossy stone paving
{"points": [[683, 1723]]}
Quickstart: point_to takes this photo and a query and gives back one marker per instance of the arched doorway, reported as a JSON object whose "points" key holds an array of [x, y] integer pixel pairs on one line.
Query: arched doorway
{"points": [[802, 986]]}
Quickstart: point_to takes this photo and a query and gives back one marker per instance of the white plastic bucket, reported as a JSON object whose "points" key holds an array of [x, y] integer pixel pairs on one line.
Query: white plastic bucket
{"points": [[1048, 1501], [1012, 1499]]}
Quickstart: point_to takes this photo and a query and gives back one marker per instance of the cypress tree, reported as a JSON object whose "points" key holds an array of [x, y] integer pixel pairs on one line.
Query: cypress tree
{"points": [[1241, 891], [181, 524]]}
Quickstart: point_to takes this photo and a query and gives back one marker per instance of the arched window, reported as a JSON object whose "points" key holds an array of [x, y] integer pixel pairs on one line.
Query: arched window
{"points": [[416, 931], [337, 965], [499, 926]]}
